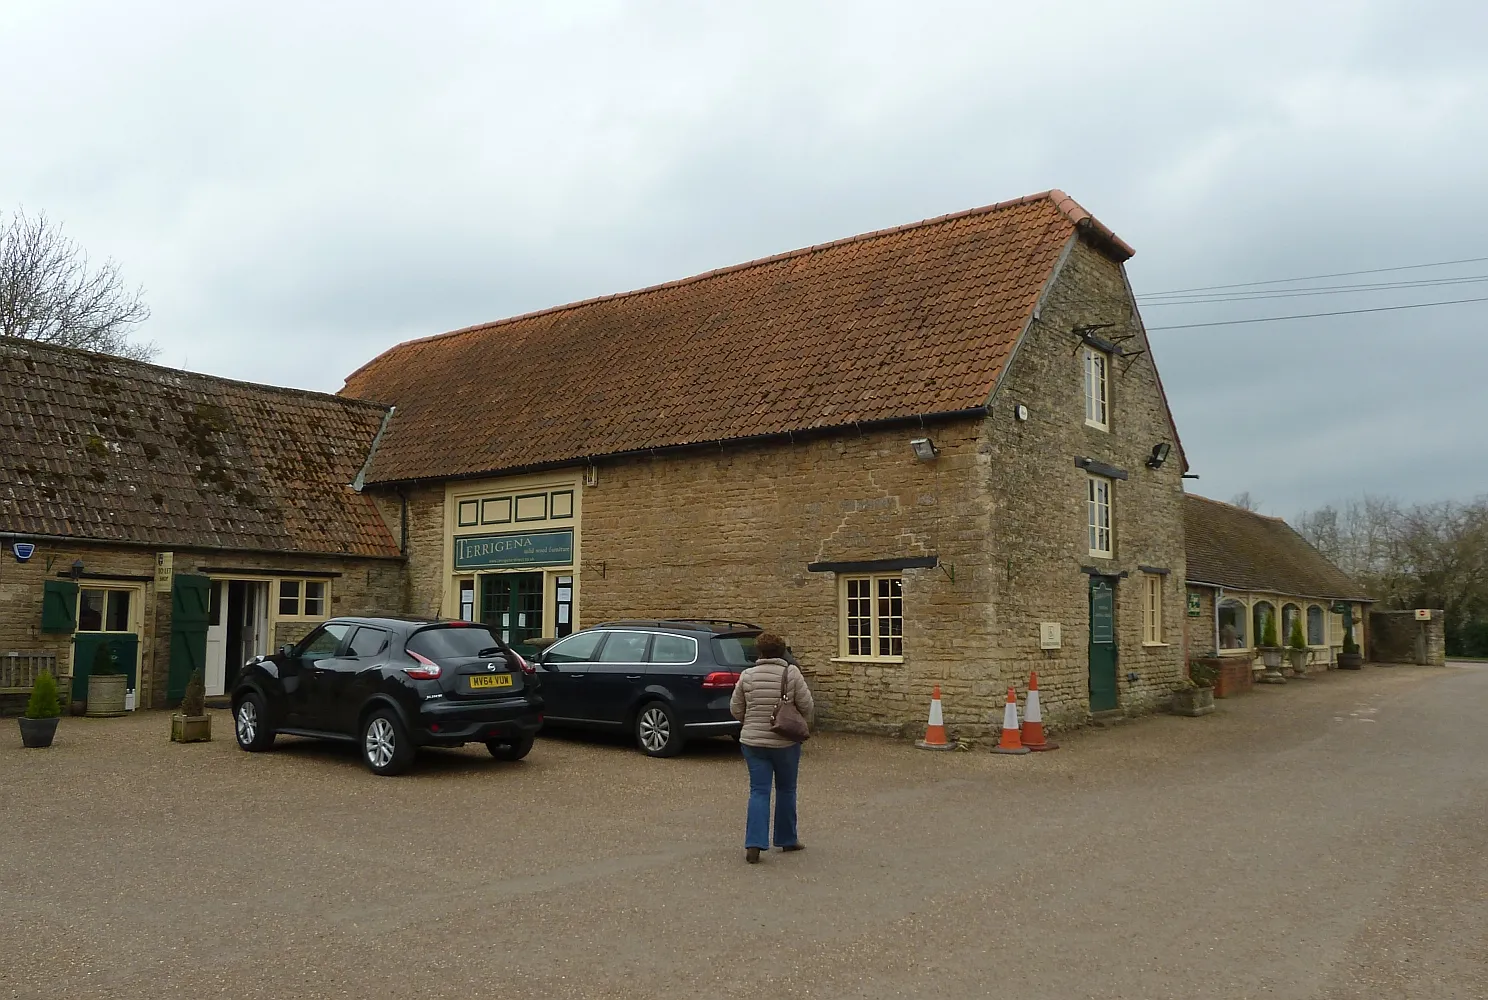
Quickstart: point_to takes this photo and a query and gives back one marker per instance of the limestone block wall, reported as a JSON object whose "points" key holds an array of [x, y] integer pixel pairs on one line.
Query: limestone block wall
{"points": [[1399, 637], [1037, 500], [730, 533]]}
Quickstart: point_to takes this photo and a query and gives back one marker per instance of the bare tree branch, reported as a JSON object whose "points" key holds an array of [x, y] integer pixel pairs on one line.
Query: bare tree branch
{"points": [[48, 292]]}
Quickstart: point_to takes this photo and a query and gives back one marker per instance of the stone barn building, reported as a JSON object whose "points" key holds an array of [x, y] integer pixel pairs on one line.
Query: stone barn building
{"points": [[176, 519], [1245, 567], [937, 454]]}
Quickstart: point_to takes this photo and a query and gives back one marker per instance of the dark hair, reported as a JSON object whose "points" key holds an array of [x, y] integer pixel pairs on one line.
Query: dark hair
{"points": [[769, 646]]}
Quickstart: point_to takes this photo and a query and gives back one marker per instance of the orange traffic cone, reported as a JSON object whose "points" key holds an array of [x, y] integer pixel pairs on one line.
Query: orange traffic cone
{"points": [[1011, 741], [1033, 719], [935, 732]]}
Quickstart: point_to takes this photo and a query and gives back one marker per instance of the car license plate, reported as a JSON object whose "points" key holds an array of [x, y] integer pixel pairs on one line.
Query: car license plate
{"points": [[481, 681]]}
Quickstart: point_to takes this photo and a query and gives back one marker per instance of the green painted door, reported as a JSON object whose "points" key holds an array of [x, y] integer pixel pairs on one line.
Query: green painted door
{"points": [[1102, 644], [191, 604], [122, 646], [512, 604]]}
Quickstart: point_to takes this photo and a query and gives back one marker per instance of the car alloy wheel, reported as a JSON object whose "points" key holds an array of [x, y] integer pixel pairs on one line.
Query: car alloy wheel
{"points": [[381, 744], [247, 722], [655, 728]]}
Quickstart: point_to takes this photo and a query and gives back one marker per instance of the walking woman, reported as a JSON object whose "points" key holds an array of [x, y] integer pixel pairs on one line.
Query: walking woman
{"points": [[769, 755]]}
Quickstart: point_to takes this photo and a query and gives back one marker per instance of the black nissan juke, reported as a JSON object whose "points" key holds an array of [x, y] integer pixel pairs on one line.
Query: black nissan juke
{"points": [[392, 685]]}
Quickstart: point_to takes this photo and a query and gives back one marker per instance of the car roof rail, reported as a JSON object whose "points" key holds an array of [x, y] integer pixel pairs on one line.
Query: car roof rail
{"points": [[728, 624]]}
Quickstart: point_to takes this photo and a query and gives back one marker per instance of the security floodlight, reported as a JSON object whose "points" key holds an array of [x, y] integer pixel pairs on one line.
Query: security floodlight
{"points": [[924, 449]]}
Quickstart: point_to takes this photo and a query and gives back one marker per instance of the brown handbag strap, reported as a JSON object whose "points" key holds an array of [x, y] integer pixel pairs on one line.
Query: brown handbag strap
{"points": [[785, 683]]}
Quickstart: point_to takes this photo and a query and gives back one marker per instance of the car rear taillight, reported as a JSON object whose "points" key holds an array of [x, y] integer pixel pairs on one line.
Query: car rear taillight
{"points": [[527, 668], [424, 670], [721, 680]]}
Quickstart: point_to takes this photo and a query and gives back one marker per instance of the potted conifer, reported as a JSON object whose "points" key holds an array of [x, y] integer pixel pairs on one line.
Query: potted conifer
{"points": [[1271, 651], [1350, 658], [1297, 651], [107, 685], [191, 723], [43, 712]]}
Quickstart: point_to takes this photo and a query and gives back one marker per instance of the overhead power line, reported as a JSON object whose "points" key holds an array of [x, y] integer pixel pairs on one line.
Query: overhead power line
{"points": [[1315, 277], [1292, 293], [1341, 312]]}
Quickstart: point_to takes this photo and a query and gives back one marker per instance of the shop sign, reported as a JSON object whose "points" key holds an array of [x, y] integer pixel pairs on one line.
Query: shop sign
{"points": [[165, 566], [1195, 609], [535, 548]]}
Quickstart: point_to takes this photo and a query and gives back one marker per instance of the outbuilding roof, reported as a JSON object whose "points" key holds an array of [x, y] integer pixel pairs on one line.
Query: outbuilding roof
{"points": [[102, 448], [902, 323], [1242, 550]]}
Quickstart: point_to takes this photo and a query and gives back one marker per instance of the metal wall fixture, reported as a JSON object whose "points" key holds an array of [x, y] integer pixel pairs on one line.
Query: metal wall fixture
{"points": [[1160, 452], [924, 449]]}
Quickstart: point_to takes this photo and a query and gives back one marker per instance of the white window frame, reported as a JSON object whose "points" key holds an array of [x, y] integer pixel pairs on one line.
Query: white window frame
{"points": [[875, 618], [1152, 610], [1097, 389], [299, 613], [1098, 500]]}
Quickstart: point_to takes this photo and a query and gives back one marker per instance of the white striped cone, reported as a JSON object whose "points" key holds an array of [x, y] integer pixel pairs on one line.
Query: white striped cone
{"points": [[1033, 720], [935, 734], [1012, 740]]}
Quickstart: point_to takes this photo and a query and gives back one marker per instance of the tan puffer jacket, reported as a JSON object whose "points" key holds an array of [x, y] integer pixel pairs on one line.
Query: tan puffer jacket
{"points": [[754, 701]]}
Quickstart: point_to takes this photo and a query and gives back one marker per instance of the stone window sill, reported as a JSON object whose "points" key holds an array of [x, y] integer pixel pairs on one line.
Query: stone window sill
{"points": [[1156, 645], [868, 659]]}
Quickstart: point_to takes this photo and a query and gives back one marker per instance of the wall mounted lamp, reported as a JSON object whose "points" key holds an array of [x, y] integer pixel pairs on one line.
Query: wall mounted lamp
{"points": [[77, 570], [1159, 455], [924, 449]]}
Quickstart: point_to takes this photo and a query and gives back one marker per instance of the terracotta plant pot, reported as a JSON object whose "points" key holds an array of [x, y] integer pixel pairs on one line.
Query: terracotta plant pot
{"points": [[106, 694], [190, 728], [1193, 702], [38, 733]]}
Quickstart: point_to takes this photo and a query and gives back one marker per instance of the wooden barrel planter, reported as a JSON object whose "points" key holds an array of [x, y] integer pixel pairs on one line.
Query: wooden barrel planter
{"points": [[106, 694]]}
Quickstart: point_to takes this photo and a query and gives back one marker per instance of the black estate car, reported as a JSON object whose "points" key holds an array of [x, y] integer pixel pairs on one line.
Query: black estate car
{"points": [[664, 680], [392, 685]]}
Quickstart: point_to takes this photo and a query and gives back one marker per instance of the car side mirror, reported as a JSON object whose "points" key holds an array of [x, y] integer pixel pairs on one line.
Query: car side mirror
{"points": [[286, 650]]}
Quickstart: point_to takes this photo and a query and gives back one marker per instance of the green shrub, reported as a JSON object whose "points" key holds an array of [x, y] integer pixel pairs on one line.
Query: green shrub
{"points": [[103, 661], [1349, 645], [1268, 631], [1298, 639], [194, 701], [44, 703]]}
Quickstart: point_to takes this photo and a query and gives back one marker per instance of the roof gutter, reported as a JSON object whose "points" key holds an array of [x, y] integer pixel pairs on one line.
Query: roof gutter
{"points": [[885, 423], [37, 536]]}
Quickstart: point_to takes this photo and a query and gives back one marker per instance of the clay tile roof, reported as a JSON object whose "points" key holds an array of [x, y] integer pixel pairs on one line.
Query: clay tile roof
{"points": [[1243, 550], [103, 448], [901, 323]]}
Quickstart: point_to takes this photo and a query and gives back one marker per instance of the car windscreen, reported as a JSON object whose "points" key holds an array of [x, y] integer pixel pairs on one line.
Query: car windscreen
{"points": [[451, 641], [734, 650]]}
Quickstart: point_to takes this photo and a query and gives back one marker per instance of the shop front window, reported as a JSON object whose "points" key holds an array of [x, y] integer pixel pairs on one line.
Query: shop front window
{"points": [[1316, 630], [1263, 612], [1232, 625], [103, 610]]}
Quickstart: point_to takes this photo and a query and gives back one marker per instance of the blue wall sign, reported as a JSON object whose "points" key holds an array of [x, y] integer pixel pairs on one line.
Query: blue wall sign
{"points": [[533, 548]]}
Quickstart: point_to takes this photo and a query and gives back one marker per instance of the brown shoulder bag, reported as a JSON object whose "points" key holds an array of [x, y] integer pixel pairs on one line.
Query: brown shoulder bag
{"points": [[787, 721]]}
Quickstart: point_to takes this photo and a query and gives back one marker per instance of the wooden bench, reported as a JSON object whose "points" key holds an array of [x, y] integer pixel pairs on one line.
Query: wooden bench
{"points": [[18, 671]]}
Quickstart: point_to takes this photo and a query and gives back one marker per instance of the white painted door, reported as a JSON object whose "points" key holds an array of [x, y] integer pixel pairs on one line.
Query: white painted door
{"points": [[256, 611], [216, 665]]}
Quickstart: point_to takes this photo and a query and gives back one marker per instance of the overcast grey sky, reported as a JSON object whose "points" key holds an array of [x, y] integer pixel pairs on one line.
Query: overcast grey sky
{"points": [[299, 186]]}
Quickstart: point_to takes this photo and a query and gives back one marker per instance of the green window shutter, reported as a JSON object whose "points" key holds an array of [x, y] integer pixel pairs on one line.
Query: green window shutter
{"points": [[59, 606]]}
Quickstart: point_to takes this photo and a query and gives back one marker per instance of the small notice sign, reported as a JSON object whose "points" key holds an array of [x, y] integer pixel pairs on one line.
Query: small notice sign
{"points": [[1423, 614], [1195, 608], [1049, 635], [165, 565]]}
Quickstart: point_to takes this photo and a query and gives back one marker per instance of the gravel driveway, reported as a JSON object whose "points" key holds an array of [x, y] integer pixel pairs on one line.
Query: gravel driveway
{"points": [[1322, 839]]}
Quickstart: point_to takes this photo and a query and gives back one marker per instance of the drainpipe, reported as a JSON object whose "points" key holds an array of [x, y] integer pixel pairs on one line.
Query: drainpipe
{"points": [[403, 521]]}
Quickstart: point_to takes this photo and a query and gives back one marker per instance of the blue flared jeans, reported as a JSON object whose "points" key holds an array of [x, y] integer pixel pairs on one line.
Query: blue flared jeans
{"points": [[767, 764]]}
